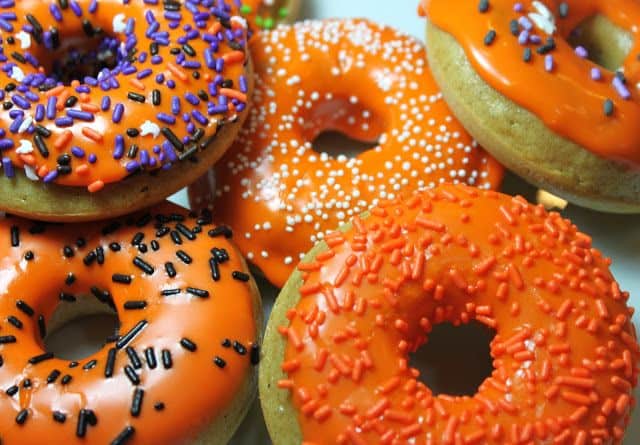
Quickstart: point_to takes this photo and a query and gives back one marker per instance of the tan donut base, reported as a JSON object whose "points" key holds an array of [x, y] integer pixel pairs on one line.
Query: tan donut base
{"points": [[50, 202], [522, 142], [279, 413]]}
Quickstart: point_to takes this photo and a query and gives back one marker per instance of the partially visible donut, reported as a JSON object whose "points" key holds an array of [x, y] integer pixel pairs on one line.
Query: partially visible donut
{"points": [[266, 14], [100, 96], [549, 88], [181, 369], [365, 80], [336, 351]]}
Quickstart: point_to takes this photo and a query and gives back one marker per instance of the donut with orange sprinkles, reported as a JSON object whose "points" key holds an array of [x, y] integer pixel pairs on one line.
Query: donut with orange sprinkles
{"points": [[549, 87], [565, 354], [111, 105], [181, 367], [365, 80]]}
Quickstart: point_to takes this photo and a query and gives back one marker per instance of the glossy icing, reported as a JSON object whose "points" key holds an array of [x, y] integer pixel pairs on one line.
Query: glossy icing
{"points": [[192, 385], [565, 353], [363, 79], [164, 98], [572, 95]]}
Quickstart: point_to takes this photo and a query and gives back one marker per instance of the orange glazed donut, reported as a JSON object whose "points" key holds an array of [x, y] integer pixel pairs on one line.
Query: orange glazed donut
{"points": [[548, 87], [337, 346], [100, 95], [363, 79], [181, 369]]}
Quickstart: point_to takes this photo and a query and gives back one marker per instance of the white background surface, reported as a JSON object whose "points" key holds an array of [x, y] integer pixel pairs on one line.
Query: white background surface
{"points": [[618, 236]]}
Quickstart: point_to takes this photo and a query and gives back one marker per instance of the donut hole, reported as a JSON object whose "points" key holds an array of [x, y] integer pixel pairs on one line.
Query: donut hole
{"points": [[607, 44], [77, 330], [337, 144], [78, 56], [455, 360]]}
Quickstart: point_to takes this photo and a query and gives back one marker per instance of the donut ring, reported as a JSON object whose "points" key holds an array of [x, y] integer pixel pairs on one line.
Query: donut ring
{"points": [[80, 143], [266, 14], [565, 353], [542, 108], [180, 370], [272, 184]]}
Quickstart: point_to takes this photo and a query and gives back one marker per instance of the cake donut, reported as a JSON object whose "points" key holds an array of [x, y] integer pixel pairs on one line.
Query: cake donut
{"points": [[337, 345], [266, 14], [549, 88], [365, 80], [103, 100], [181, 367]]}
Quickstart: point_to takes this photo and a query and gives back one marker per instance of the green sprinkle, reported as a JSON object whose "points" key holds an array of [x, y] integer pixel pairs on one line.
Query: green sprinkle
{"points": [[246, 9], [283, 12], [268, 23], [608, 107]]}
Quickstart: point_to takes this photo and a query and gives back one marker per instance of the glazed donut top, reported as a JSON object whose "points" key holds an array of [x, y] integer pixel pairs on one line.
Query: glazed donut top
{"points": [[265, 14], [521, 49], [187, 334], [95, 90], [565, 352], [365, 80]]}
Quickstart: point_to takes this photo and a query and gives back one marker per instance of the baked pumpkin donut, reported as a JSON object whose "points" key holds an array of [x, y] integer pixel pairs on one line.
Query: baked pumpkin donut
{"points": [[266, 14], [337, 345], [180, 370], [365, 80], [549, 88], [100, 97]]}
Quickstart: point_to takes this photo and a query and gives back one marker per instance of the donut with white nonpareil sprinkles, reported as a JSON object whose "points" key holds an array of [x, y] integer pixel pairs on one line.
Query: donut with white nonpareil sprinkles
{"points": [[365, 80], [548, 87], [101, 96], [181, 365], [565, 354]]}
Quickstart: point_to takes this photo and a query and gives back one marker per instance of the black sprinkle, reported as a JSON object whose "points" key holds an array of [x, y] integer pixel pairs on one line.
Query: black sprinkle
{"points": [[90, 365], [136, 97], [162, 232], [150, 357], [608, 107], [124, 436], [64, 296], [255, 354], [53, 376], [215, 270], [67, 251], [71, 278], [526, 55], [188, 49], [136, 402], [240, 276], [184, 257], [156, 98], [134, 358], [172, 138], [188, 344], [73, 364], [159, 406], [137, 238], [41, 358], [114, 247], [143, 265], [169, 292], [42, 327], [12, 390], [171, 271], [59, 417], [135, 304], [15, 236], [489, 37], [25, 308], [563, 10], [239, 348], [483, 6], [167, 361], [226, 343], [14, 321], [121, 278], [221, 231], [219, 362], [184, 230], [81, 242], [4, 339], [28, 255], [111, 227], [83, 421], [175, 237], [131, 375], [126, 338], [89, 258], [111, 361], [202, 293], [100, 254], [154, 245], [21, 418], [66, 379], [26, 383]]}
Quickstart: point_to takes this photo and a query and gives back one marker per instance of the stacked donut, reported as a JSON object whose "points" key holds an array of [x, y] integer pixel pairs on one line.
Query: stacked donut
{"points": [[110, 106]]}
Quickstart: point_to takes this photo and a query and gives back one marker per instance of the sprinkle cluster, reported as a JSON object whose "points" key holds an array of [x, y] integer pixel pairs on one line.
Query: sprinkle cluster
{"points": [[565, 354], [185, 344], [265, 14], [152, 86], [368, 81]]}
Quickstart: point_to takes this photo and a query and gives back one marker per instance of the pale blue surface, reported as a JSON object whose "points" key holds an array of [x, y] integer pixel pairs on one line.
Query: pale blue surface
{"points": [[617, 236]]}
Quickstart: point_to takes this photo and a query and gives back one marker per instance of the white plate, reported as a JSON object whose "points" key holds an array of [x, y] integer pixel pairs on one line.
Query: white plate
{"points": [[617, 236]]}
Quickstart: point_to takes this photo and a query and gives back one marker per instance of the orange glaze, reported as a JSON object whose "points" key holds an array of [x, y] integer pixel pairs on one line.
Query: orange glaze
{"points": [[365, 80], [95, 132], [265, 14], [565, 351], [193, 390], [566, 98]]}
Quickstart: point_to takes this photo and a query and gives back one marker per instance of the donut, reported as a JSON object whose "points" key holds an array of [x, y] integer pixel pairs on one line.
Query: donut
{"points": [[266, 14], [101, 96], [363, 79], [180, 368], [549, 88], [565, 353]]}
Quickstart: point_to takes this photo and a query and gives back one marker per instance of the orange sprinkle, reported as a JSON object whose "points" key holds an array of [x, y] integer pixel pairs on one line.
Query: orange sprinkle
{"points": [[62, 140], [92, 134], [178, 72], [95, 186]]}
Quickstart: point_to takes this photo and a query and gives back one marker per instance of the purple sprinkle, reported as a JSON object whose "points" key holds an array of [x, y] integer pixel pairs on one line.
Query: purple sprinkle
{"points": [[160, 78], [525, 23], [6, 144], [523, 38], [175, 105], [50, 177], [118, 111], [192, 98], [142, 57], [21, 102], [15, 125], [518, 7], [581, 52], [620, 88], [144, 73], [192, 64], [209, 59], [131, 24], [129, 70], [118, 150], [39, 112], [244, 86], [77, 151], [105, 103], [51, 107], [191, 128], [548, 63], [240, 107], [186, 117], [64, 121], [596, 74], [219, 65], [81, 115], [6, 26], [156, 60], [144, 157], [8, 168], [75, 7], [55, 12], [149, 17], [171, 84], [132, 166], [535, 39], [198, 116], [92, 158], [93, 6], [83, 89], [166, 118]]}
